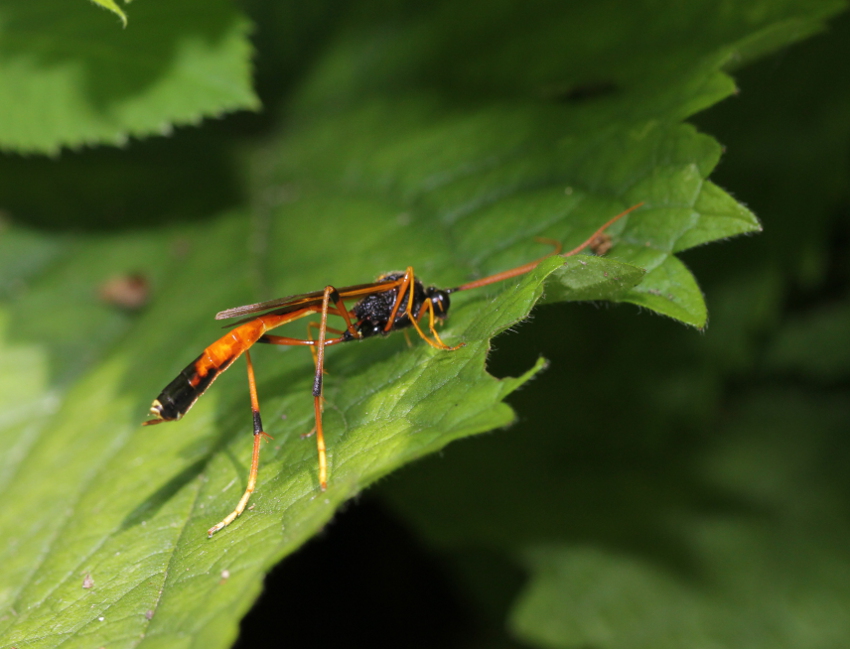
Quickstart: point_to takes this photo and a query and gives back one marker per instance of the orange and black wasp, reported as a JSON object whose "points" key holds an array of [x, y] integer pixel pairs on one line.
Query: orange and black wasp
{"points": [[394, 301]]}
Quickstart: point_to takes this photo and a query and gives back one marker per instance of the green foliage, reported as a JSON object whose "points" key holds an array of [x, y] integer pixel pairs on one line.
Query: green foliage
{"points": [[445, 137], [69, 77]]}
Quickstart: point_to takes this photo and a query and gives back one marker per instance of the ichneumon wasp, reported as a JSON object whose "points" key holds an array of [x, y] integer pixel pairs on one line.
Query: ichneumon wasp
{"points": [[394, 301]]}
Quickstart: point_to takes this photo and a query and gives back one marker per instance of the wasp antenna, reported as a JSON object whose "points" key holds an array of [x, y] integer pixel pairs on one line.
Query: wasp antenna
{"points": [[525, 268], [607, 225]]}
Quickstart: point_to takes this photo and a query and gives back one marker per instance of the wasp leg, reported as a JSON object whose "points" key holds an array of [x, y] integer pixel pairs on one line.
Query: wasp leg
{"points": [[315, 325], [438, 344], [259, 434], [319, 357], [330, 294]]}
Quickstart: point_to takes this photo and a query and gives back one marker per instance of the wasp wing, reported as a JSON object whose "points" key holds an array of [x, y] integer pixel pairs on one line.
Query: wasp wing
{"points": [[289, 300], [284, 305]]}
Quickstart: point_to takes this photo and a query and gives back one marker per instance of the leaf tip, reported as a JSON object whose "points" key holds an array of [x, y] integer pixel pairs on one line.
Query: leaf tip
{"points": [[114, 8]]}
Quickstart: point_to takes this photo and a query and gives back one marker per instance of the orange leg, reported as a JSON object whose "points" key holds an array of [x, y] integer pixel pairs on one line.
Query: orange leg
{"points": [[319, 358], [259, 434], [330, 294], [405, 290], [315, 325], [405, 285], [340, 310], [437, 343]]}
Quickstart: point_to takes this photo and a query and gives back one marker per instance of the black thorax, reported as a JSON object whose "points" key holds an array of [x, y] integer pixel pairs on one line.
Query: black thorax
{"points": [[372, 313]]}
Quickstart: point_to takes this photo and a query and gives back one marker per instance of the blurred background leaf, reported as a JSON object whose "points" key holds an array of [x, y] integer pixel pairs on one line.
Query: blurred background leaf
{"points": [[70, 77], [660, 487]]}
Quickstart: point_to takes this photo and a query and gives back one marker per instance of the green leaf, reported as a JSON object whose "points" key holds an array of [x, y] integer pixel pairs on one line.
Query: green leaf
{"points": [[68, 78], [113, 7], [591, 278], [511, 164], [128, 507]]}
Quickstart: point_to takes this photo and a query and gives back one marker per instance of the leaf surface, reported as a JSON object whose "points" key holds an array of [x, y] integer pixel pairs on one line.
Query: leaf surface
{"points": [[70, 78]]}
